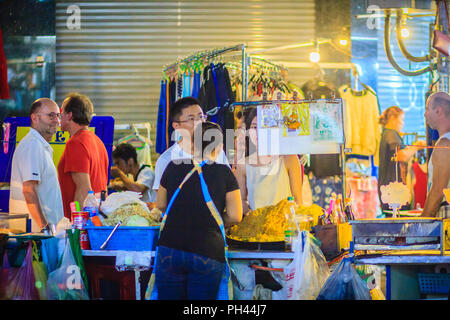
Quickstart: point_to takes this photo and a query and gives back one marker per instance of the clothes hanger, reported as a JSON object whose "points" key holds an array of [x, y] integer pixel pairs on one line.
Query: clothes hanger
{"points": [[135, 139]]}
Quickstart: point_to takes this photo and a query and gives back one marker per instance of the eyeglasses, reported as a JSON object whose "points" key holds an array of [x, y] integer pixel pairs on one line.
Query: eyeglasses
{"points": [[52, 115], [192, 119]]}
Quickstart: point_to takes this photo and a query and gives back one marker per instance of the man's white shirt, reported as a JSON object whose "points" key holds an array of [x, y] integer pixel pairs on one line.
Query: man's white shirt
{"points": [[175, 153], [33, 160]]}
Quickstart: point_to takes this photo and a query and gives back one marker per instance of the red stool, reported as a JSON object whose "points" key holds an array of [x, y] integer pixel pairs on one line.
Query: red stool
{"points": [[125, 280]]}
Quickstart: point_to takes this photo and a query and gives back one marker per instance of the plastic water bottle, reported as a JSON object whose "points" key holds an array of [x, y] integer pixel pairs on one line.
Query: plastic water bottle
{"points": [[90, 204], [292, 226]]}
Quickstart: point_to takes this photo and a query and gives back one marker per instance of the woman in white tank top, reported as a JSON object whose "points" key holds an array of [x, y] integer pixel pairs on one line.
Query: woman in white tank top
{"points": [[265, 180]]}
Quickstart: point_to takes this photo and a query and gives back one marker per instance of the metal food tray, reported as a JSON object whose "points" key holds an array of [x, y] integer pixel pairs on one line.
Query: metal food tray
{"points": [[398, 234], [258, 246]]}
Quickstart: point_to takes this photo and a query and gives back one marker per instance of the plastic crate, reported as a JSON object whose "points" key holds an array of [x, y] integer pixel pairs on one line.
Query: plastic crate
{"points": [[125, 238], [434, 283]]}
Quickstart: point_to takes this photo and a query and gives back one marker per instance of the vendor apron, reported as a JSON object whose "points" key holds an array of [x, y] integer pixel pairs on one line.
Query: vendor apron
{"points": [[225, 287]]}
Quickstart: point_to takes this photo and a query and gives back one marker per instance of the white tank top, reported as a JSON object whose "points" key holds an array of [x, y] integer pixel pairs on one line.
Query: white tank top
{"points": [[267, 185], [430, 164]]}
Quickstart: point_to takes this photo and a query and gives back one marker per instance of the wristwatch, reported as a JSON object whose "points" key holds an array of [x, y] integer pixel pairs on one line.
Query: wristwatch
{"points": [[46, 229]]}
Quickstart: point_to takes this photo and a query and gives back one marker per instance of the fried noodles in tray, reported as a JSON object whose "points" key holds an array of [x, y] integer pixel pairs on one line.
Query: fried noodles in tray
{"points": [[265, 224], [129, 210]]}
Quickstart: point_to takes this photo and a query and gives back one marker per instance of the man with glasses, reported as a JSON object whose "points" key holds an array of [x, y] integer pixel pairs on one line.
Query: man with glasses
{"points": [[34, 186], [186, 114], [84, 164]]}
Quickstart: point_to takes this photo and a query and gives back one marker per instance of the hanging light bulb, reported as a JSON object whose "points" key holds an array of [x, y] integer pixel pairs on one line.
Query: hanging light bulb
{"points": [[404, 32], [314, 56], [343, 42]]}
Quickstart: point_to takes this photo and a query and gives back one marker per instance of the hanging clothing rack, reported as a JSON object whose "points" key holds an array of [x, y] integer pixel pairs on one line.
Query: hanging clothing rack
{"points": [[264, 102], [209, 54], [243, 58], [205, 55]]}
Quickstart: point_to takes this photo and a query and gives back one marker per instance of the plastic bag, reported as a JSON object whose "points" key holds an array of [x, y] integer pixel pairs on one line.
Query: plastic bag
{"points": [[21, 282], [40, 273], [308, 272], [49, 251], [245, 275], [74, 238], [345, 284], [118, 199], [66, 283]]}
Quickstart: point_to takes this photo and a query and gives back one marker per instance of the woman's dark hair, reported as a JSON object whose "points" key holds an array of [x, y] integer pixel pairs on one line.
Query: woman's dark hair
{"points": [[81, 107], [207, 136], [125, 151]]}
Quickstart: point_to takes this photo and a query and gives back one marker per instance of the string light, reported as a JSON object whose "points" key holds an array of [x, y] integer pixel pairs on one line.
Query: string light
{"points": [[404, 32], [314, 57]]}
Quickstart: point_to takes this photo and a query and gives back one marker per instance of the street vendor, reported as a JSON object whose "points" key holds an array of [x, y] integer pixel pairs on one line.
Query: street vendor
{"points": [[392, 121], [437, 114], [125, 163], [265, 180], [191, 257]]}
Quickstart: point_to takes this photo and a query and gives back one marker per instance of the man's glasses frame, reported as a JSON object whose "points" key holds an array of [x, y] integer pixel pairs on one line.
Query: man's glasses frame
{"points": [[52, 115], [192, 119]]}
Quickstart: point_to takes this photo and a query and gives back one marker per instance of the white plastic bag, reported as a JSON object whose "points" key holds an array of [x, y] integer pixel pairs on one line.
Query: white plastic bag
{"points": [[246, 277], [279, 277], [118, 199], [66, 283], [308, 272]]}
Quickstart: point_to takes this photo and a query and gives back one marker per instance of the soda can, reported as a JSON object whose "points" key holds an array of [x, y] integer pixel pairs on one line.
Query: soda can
{"points": [[79, 219], [84, 240]]}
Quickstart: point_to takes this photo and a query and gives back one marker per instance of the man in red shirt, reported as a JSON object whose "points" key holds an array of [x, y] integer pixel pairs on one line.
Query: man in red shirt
{"points": [[84, 163]]}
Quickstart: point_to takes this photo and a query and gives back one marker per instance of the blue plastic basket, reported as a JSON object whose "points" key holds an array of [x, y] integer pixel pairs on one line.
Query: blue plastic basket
{"points": [[434, 283], [125, 238]]}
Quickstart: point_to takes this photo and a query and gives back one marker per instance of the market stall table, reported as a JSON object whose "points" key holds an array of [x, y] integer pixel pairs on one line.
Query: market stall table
{"points": [[409, 248], [402, 271], [241, 254]]}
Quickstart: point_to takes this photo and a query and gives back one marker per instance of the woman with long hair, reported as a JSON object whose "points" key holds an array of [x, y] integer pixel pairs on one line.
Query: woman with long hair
{"points": [[392, 121], [265, 180]]}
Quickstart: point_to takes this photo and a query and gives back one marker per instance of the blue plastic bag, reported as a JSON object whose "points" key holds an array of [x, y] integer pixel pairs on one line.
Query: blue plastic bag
{"points": [[344, 284]]}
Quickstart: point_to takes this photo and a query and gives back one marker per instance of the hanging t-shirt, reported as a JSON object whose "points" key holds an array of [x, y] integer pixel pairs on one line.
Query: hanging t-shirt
{"points": [[162, 119], [362, 130], [144, 155]]}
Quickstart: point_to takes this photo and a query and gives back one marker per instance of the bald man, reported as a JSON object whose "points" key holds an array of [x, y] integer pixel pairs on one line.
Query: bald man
{"points": [[34, 185], [437, 114]]}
